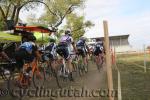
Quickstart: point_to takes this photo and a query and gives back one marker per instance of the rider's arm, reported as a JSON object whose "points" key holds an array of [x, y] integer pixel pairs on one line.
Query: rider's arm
{"points": [[88, 49], [73, 44], [74, 47], [36, 51]]}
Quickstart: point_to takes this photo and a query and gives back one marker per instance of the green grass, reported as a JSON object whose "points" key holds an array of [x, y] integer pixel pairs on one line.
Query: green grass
{"points": [[9, 37], [5, 37], [135, 83]]}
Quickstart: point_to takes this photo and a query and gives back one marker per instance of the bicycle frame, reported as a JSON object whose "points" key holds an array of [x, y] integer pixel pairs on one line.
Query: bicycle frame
{"points": [[35, 68]]}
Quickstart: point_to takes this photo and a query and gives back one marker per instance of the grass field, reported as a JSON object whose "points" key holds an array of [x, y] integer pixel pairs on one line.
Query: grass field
{"points": [[8, 37], [135, 83], [5, 37]]}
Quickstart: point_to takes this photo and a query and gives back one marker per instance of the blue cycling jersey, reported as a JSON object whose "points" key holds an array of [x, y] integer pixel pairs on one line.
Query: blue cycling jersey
{"points": [[80, 43], [27, 46]]}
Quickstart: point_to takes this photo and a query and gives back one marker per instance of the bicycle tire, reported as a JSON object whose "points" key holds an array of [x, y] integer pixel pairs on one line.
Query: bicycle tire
{"points": [[13, 86], [99, 65], [50, 73], [57, 79], [81, 69], [41, 76]]}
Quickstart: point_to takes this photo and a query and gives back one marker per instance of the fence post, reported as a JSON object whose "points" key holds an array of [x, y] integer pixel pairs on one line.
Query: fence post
{"points": [[115, 56], [108, 60], [144, 59]]}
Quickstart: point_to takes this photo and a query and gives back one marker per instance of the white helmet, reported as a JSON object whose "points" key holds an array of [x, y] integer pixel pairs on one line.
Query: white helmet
{"points": [[68, 31]]}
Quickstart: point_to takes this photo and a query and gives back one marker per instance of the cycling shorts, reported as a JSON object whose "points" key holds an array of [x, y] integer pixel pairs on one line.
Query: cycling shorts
{"points": [[63, 50], [97, 51], [81, 51]]}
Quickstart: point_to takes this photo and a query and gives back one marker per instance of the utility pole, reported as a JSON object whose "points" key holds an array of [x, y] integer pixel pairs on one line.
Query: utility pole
{"points": [[108, 60]]}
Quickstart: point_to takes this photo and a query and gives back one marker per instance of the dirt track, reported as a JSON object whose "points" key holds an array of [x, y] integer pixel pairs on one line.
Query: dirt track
{"points": [[86, 87]]}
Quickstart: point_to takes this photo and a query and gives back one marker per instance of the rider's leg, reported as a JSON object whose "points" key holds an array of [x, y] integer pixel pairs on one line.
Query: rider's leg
{"points": [[84, 56], [85, 60], [70, 67]]}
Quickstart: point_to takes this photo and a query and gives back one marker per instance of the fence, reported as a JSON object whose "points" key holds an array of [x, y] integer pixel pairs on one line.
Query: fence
{"points": [[132, 69]]}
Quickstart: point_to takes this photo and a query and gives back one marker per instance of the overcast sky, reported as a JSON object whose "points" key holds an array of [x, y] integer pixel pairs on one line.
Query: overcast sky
{"points": [[124, 17]]}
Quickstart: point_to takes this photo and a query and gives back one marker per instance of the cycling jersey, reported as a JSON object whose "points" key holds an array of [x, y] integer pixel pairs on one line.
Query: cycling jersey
{"points": [[26, 52], [51, 50], [99, 48], [66, 39], [65, 48], [81, 42], [82, 47], [28, 46]]}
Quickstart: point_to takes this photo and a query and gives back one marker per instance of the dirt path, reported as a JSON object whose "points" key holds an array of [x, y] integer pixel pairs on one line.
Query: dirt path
{"points": [[87, 87]]}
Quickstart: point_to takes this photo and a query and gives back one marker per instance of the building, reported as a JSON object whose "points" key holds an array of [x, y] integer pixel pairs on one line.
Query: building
{"points": [[119, 42]]}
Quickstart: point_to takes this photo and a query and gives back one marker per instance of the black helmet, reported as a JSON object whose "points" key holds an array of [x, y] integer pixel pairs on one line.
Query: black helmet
{"points": [[83, 38], [32, 38]]}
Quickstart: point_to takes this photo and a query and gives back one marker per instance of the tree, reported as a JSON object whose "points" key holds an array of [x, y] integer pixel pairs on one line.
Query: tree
{"points": [[78, 25], [57, 10], [1, 23], [11, 8]]}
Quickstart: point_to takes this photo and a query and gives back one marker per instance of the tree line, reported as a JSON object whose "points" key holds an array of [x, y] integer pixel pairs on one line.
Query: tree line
{"points": [[55, 12]]}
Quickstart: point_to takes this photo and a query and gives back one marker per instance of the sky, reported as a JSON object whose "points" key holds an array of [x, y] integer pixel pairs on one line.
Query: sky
{"points": [[123, 16]]}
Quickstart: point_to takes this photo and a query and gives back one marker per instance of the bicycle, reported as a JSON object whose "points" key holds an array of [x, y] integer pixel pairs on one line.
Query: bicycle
{"points": [[99, 61], [82, 68], [22, 81], [49, 71]]}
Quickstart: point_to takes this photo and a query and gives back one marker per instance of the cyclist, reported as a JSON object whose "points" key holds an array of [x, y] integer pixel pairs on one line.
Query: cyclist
{"points": [[51, 50], [83, 49], [27, 52], [65, 47], [99, 50]]}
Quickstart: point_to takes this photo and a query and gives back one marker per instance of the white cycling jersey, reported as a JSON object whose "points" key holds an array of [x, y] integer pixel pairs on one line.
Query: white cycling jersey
{"points": [[67, 39]]}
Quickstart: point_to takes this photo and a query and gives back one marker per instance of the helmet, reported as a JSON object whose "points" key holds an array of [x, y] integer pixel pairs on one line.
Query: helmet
{"points": [[68, 31], [52, 38], [32, 38], [83, 38]]}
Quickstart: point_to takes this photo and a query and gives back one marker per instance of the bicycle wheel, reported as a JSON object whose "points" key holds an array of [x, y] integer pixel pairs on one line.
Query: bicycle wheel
{"points": [[17, 84], [55, 73], [38, 77], [86, 67], [81, 68], [99, 64], [47, 72], [51, 74]]}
